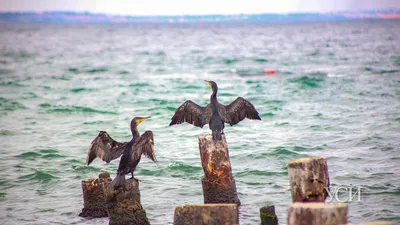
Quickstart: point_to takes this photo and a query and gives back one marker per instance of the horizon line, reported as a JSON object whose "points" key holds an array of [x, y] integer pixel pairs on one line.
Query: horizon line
{"points": [[200, 14]]}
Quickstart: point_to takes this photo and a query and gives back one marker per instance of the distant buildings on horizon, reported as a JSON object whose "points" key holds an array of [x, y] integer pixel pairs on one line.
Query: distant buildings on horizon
{"points": [[87, 17]]}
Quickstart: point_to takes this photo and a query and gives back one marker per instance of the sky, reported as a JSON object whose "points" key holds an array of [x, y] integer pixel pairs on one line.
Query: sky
{"points": [[194, 7]]}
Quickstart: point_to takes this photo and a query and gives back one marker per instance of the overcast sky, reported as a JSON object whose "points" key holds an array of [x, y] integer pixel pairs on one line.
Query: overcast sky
{"points": [[179, 7]]}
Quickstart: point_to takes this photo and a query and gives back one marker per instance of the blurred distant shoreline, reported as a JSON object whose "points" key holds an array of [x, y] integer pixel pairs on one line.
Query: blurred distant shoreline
{"points": [[101, 18]]}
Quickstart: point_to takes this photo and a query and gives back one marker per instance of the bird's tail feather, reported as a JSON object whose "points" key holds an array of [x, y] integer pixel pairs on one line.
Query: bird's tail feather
{"points": [[118, 181], [216, 134]]}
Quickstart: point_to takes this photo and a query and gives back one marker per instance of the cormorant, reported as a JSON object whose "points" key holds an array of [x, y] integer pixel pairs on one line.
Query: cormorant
{"points": [[215, 114], [104, 147]]}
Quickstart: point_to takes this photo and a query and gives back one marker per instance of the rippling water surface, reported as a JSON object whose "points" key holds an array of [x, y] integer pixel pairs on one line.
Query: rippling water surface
{"points": [[336, 93]]}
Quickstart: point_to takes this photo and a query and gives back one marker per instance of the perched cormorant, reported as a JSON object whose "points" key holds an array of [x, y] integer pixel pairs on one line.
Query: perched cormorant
{"points": [[106, 148], [215, 114]]}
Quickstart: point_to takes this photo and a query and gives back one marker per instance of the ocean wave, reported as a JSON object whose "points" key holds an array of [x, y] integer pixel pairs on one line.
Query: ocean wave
{"points": [[230, 61], [307, 82], [29, 155], [146, 172], [260, 173], [179, 166], [94, 70], [139, 85], [267, 114], [37, 175], [48, 150], [5, 71], [78, 109], [9, 105], [52, 156], [77, 90], [260, 60], [283, 152], [85, 169], [6, 133]]}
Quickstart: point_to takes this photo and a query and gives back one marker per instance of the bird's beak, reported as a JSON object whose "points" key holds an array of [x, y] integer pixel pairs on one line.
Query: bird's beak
{"points": [[142, 119], [208, 82]]}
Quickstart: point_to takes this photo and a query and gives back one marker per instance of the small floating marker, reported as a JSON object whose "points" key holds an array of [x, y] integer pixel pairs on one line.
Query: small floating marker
{"points": [[269, 72]]}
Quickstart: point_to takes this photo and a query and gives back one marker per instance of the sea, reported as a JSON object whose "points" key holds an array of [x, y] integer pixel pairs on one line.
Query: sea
{"points": [[328, 89]]}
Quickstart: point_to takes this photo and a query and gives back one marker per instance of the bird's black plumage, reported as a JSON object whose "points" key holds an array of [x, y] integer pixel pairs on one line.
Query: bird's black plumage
{"points": [[106, 148], [215, 114]]}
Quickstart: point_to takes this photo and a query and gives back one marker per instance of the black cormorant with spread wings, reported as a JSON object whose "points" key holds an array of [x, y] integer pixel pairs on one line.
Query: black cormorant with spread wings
{"points": [[215, 113], [106, 148]]}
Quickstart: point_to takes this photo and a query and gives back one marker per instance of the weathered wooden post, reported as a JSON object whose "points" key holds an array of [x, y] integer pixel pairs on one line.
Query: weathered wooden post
{"points": [[309, 179], [376, 223], [210, 214], [123, 204], [94, 200], [300, 213], [218, 183], [268, 216]]}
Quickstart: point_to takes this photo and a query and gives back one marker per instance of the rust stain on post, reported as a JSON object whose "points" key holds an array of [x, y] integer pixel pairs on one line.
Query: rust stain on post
{"points": [[218, 183]]}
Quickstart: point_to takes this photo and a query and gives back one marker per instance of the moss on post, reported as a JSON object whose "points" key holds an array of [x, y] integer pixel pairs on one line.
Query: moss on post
{"points": [[218, 183], [94, 200], [210, 214], [268, 216], [308, 179], [123, 204], [317, 213]]}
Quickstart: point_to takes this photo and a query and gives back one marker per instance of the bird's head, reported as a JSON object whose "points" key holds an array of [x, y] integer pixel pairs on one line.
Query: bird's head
{"points": [[213, 86], [137, 120]]}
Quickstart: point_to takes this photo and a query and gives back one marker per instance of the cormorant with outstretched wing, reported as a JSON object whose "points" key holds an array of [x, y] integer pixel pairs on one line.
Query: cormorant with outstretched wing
{"points": [[106, 148], [215, 114]]}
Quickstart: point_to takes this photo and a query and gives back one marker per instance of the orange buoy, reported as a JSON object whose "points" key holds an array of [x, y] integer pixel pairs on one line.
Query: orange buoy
{"points": [[269, 72]]}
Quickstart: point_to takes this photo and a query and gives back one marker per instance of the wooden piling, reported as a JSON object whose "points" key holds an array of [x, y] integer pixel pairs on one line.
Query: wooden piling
{"points": [[317, 213], [308, 179], [94, 200], [374, 223], [123, 204], [268, 215], [207, 214], [218, 183]]}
